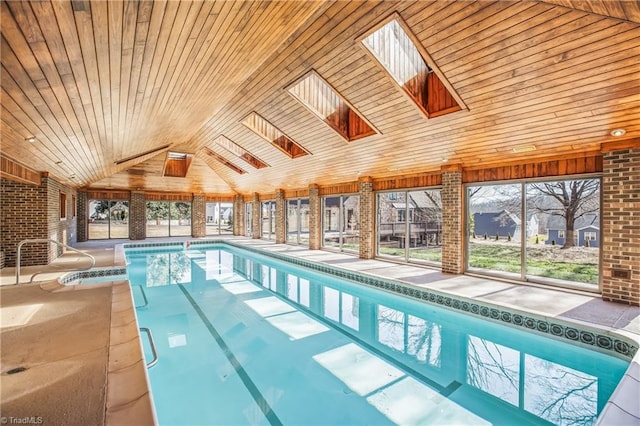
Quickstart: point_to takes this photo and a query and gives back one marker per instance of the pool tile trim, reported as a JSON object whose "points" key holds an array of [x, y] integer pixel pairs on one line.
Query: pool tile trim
{"points": [[580, 334]]}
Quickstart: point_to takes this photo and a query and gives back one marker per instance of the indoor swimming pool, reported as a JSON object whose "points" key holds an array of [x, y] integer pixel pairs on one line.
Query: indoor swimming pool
{"points": [[244, 338]]}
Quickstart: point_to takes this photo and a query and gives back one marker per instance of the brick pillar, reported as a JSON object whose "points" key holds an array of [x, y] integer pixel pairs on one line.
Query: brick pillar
{"points": [[257, 209], [198, 216], [281, 217], [315, 218], [452, 223], [367, 217], [137, 216], [621, 226], [238, 215], [82, 217]]}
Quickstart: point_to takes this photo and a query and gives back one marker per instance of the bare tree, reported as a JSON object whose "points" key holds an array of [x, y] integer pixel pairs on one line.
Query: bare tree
{"points": [[575, 198]]}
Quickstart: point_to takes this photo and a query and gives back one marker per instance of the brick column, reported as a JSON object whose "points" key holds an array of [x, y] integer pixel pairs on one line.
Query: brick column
{"points": [[82, 224], [281, 217], [238, 215], [257, 209], [137, 216], [621, 226], [315, 218], [367, 217], [198, 216], [452, 222]]}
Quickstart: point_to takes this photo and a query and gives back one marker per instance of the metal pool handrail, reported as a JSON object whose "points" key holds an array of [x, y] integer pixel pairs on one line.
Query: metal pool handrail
{"points": [[154, 361], [47, 240]]}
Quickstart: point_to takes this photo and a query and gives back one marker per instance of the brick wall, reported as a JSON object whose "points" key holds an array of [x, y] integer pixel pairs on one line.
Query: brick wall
{"points": [[255, 222], [29, 211], [81, 222], [367, 218], [137, 216], [621, 226], [315, 218], [452, 224], [281, 217], [198, 216], [238, 215]]}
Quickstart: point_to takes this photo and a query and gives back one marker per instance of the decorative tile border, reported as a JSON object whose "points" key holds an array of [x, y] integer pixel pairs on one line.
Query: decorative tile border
{"points": [[619, 345], [109, 274]]}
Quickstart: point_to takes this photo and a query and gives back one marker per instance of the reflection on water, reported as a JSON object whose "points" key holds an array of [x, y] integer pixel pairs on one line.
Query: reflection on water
{"points": [[486, 370]]}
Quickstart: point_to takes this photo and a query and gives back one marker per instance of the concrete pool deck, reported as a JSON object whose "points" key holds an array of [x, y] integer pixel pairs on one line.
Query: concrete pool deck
{"points": [[124, 389]]}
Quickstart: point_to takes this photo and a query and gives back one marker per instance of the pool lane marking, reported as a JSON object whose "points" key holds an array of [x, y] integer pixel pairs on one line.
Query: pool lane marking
{"points": [[242, 373]]}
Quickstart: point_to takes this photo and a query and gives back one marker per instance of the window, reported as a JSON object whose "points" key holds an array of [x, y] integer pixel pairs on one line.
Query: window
{"points": [[177, 164], [274, 136], [397, 51], [63, 205], [298, 221], [240, 152], [74, 207], [168, 218], [268, 222], [219, 218], [341, 222], [108, 219], [523, 230], [321, 99], [409, 225]]}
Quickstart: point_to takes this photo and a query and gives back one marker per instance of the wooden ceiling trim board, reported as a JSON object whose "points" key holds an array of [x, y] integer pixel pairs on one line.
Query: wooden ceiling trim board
{"points": [[170, 9], [24, 88], [204, 24], [277, 61], [12, 170], [135, 34], [41, 128], [505, 59], [62, 79], [87, 45], [488, 41], [41, 55], [154, 29], [631, 10], [66, 23], [182, 42], [555, 63]]}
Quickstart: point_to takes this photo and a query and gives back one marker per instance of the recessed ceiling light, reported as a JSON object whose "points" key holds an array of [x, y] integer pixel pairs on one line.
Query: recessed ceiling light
{"points": [[31, 139], [618, 132]]}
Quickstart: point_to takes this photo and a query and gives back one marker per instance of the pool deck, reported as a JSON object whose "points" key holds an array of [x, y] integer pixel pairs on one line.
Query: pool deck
{"points": [[125, 388]]}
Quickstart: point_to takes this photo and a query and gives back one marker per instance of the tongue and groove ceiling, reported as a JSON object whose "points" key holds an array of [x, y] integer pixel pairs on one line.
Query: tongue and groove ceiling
{"points": [[109, 88]]}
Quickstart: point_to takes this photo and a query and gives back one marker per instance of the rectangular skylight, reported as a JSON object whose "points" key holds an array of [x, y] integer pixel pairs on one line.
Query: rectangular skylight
{"points": [[240, 152], [273, 135], [321, 99], [394, 47], [223, 160]]}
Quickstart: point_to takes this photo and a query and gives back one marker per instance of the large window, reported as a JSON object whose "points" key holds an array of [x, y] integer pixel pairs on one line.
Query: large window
{"points": [[409, 225], [268, 220], [545, 231], [108, 219], [168, 218], [341, 222], [298, 221], [219, 218]]}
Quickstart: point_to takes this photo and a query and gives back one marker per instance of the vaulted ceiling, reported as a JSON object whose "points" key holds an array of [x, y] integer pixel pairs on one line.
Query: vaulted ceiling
{"points": [[108, 88]]}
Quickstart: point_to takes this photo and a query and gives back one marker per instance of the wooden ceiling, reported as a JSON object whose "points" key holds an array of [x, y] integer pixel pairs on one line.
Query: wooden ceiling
{"points": [[98, 82]]}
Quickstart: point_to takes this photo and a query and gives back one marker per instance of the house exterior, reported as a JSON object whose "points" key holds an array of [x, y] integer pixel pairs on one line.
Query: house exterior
{"points": [[502, 223], [586, 229]]}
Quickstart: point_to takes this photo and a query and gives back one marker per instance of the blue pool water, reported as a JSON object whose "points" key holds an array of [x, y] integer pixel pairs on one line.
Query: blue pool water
{"points": [[244, 339]]}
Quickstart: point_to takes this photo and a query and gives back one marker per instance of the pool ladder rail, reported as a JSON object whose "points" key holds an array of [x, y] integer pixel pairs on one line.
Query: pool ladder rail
{"points": [[48, 240], [154, 352]]}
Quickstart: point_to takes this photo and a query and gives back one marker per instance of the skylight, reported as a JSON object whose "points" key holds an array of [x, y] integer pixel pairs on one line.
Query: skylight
{"points": [[176, 164], [240, 152], [223, 160], [392, 45], [319, 97], [274, 136]]}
